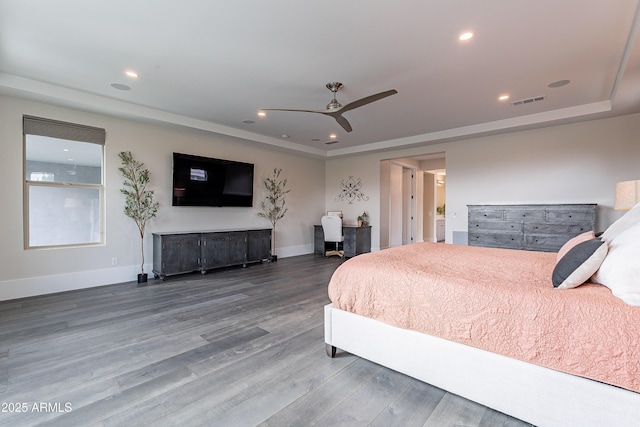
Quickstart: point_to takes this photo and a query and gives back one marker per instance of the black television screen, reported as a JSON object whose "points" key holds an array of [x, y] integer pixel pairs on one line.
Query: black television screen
{"points": [[205, 181]]}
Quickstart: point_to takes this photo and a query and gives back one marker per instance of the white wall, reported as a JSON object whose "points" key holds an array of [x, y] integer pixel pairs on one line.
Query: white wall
{"points": [[575, 163], [31, 272]]}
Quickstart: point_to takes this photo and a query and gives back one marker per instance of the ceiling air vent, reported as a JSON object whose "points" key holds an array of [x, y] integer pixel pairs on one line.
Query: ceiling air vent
{"points": [[331, 142], [528, 100]]}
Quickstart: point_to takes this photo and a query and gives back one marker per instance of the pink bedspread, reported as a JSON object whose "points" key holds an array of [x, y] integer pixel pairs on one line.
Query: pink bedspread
{"points": [[498, 300]]}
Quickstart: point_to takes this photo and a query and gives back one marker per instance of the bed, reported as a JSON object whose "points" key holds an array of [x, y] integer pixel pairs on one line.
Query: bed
{"points": [[489, 325]]}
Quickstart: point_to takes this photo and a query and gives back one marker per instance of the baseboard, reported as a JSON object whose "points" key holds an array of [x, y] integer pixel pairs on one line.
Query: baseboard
{"points": [[42, 285], [289, 251]]}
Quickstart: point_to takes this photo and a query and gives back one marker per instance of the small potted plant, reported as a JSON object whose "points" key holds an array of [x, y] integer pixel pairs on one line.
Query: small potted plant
{"points": [[274, 204], [360, 220], [138, 204]]}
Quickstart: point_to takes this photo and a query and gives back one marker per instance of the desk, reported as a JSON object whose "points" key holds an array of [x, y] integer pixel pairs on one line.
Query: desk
{"points": [[357, 240]]}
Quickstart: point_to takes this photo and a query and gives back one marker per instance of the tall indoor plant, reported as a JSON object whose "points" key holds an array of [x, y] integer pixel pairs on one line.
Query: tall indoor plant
{"points": [[138, 204], [274, 204]]}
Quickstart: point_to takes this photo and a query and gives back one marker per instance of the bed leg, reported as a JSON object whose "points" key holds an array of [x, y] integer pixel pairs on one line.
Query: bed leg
{"points": [[331, 350]]}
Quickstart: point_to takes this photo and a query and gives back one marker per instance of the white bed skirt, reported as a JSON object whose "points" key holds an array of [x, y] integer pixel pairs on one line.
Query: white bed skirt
{"points": [[541, 396]]}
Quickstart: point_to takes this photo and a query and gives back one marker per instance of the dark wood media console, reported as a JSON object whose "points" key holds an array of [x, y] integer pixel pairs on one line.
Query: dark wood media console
{"points": [[185, 252]]}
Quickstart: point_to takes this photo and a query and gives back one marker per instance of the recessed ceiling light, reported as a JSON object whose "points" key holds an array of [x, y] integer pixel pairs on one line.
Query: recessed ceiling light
{"points": [[262, 113], [120, 86], [333, 136], [503, 97], [132, 74], [467, 35], [559, 83], [284, 135]]}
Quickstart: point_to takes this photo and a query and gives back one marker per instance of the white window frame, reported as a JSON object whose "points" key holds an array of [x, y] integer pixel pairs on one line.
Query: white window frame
{"points": [[63, 131]]}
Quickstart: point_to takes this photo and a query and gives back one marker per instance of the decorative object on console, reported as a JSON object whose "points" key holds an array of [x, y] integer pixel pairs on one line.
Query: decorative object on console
{"points": [[274, 204], [365, 218], [350, 190], [139, 204]]}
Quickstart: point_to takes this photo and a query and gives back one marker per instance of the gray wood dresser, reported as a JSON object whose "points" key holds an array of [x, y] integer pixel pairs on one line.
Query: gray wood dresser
{"points": [[529, 227]]}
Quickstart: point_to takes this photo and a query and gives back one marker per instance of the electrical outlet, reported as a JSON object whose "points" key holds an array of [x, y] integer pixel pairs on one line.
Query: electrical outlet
{"points": [[114, 261]]}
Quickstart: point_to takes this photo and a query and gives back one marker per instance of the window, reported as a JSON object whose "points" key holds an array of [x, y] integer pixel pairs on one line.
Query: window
{"points": [[63, 193]]}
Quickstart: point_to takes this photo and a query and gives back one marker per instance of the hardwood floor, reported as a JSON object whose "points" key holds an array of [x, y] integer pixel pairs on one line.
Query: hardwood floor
{"points": [[239, 347]]}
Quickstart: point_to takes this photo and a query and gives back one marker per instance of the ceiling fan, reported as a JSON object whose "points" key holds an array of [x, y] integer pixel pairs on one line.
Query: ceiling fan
{"points": [[336, 110]]}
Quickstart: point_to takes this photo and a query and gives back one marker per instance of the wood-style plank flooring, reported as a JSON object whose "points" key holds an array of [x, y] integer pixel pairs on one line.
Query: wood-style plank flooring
{"points": [[238, 347]]}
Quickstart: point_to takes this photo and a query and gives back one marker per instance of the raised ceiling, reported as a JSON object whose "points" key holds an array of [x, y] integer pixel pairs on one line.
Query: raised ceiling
{"points": [[213, 65]]}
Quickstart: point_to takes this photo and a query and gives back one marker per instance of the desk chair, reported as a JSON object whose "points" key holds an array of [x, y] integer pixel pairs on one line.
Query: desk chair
{"points": [[332, 228]]}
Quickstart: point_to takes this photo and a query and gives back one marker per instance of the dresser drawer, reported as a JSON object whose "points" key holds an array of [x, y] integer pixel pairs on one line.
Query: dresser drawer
{"points": [[571, 216], [545, 242], [483, 215], [561, 228], [496, 240], [513, 226], [523, 215]]}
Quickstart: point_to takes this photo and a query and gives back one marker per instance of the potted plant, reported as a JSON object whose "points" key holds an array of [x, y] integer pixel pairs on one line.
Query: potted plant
{"points": [[274, 204], [138, 204], [360, 221]]}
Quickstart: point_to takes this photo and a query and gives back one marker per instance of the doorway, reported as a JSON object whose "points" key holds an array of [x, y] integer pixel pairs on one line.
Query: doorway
{"points": [[412, 200]]}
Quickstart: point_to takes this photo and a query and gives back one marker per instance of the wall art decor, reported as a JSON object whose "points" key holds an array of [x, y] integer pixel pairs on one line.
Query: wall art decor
{"points": [[350, 190]]}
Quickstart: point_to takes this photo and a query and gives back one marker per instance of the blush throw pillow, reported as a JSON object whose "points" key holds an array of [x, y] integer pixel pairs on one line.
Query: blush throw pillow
{"points": [[573, 242], [620, 271], [579, 264]]}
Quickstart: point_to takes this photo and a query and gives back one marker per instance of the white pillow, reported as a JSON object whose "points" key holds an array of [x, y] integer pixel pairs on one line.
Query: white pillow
{"points": [[620, 270], [629, 219]]}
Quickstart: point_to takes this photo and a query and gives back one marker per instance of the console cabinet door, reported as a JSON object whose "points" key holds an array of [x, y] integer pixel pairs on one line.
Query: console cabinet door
{"points": [[215, 250], [180, 253], [237, 247], [258, 245]]}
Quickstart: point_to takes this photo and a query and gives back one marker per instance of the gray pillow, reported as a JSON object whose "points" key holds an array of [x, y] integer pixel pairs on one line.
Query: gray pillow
{"points": [[579, 264]]}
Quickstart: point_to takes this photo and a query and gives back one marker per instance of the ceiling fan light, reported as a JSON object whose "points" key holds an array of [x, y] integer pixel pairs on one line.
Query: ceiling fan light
{"points": [[334, 105]]}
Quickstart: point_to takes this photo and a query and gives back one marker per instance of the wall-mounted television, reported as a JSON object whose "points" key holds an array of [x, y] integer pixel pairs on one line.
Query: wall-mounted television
{"points": [[205, 181]]}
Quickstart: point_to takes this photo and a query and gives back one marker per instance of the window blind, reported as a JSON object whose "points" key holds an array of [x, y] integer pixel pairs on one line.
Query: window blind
{"points": [[56, 129]]}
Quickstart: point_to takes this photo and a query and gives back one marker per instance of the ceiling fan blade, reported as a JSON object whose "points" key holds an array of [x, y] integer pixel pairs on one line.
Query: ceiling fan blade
{"points": [[343, 122], [367, 100], [289, 109]]}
